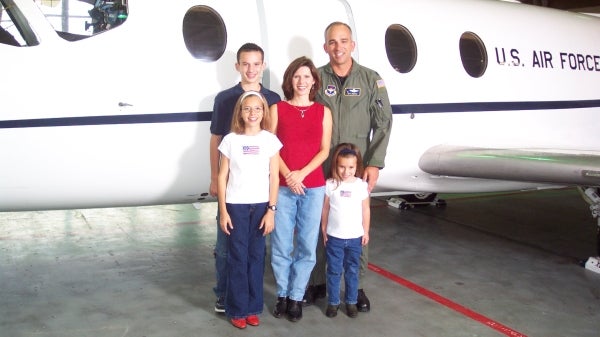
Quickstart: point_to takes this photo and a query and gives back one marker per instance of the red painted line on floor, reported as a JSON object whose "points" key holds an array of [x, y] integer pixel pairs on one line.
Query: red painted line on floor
{"points": [[446, 302]]}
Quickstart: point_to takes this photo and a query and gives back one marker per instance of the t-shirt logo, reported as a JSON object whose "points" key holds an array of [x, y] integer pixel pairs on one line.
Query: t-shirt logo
{"points": [[251, 149], [352, 92], [330, 90], [346, 194]]}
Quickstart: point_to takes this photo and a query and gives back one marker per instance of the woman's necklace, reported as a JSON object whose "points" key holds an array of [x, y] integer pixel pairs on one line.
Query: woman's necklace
{"points": [[302, 111]]}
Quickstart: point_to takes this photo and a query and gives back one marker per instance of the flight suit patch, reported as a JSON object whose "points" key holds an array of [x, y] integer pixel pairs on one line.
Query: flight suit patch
{"points": [[330, 90], [352, 92]]}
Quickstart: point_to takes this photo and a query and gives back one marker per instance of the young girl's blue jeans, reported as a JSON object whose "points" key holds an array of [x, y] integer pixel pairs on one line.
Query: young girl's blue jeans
{"points": [[245, 260], [343, 256]]}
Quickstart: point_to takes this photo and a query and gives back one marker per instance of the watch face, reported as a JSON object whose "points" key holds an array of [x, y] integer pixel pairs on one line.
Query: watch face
{"points": [[273, 207]]}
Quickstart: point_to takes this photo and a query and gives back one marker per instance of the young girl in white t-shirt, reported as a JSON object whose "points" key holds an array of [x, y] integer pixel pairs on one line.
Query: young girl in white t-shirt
{"points": [[247, 188], [345, 225]]}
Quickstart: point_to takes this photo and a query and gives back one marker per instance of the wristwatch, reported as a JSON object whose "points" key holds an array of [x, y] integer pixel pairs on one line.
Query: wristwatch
{"points": [[272, 207]]}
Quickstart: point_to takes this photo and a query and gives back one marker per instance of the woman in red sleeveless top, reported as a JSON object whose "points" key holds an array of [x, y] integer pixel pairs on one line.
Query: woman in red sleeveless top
{"points": [[304, 127]]}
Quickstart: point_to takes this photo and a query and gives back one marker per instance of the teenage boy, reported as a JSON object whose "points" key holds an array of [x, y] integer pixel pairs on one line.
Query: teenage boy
{"points": [[250, 64]]}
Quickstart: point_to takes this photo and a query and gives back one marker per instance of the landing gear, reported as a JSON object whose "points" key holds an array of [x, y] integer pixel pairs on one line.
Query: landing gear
{"points": [[409, 201], [592, 197]]}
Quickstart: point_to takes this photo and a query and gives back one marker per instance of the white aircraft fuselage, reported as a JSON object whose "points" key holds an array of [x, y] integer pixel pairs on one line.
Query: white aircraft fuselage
{"points": [[122, 118]]}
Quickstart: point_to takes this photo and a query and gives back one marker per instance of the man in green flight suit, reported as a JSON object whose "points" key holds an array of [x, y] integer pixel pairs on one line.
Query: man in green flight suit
{"points": [[362, 115]]}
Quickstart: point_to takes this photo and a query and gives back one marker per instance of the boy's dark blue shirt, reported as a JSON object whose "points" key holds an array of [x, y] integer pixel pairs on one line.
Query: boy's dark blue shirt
{"points": [[220, 123]]}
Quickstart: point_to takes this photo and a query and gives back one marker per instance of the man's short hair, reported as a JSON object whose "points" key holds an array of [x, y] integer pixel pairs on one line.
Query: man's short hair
{"points": [[337, 23]]}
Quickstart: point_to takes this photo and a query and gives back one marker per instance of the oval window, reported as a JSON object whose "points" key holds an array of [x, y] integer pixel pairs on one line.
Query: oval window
{"points": [[473, 55], [204, 33], [401, 48]]}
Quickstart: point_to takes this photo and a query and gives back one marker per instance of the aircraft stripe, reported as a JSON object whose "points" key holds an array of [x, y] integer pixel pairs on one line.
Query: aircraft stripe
{"points": [[205, 116], [493, 106], [503, 329], [108, 120]]}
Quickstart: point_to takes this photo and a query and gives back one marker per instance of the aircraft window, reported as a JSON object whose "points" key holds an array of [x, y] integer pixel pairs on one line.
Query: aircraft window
{"points": [[473, 55], [204, 33], [401, 48], [78, 19]]}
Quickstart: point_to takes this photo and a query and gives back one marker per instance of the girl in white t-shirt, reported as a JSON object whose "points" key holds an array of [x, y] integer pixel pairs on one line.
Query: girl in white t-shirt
{"points": [[247, 188], [345, 225]]}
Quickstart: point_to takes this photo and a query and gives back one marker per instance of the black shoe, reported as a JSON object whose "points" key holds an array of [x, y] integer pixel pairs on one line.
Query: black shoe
{"points": [[363, 303], [309, 296], [294, 311], [332, 310], [280, 307], [320, 291], [220, 304], [351, 310]]}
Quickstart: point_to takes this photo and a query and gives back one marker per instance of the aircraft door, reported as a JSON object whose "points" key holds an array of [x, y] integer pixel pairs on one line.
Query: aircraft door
{"points": [[291, 31]]}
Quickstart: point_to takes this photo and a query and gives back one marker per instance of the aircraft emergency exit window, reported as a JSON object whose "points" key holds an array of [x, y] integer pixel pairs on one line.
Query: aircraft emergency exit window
{"points": [[204, 33], [473, 55], [401, 48], [78, 19]]}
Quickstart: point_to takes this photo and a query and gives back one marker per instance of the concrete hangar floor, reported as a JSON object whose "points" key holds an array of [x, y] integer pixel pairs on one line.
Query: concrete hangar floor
{"points": [[486, 265]]}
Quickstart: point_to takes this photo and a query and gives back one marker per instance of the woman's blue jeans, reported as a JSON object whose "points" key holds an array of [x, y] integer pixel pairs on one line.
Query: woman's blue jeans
{"points": [[343, 255], [294, 240], [245, 260]]}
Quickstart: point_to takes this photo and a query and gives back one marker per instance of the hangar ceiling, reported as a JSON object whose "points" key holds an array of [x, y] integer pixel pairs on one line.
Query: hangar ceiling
{"points": [[585, 6]]}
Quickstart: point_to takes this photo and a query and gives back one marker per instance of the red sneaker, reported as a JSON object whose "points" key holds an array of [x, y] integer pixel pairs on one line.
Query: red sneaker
{"points": [[253, 320], [239, 323]]}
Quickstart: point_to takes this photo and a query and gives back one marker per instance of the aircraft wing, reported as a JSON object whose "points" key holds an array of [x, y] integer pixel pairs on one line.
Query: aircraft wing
{"points": [[530, 165]]}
